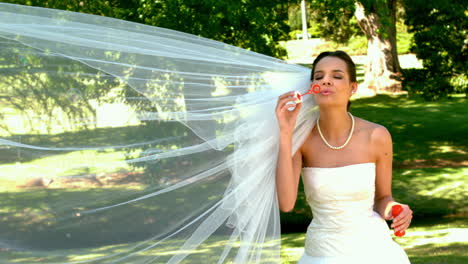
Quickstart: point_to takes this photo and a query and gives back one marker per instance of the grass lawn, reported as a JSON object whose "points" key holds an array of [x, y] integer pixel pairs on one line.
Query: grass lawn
{"points": [[442, 241]]}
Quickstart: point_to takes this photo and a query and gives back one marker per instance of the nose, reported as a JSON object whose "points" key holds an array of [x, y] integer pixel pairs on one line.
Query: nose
{"points": [[326, 81]]}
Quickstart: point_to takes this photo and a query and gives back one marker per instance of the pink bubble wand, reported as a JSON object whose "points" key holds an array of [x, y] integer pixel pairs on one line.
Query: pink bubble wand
{"points": [[314, 89]]}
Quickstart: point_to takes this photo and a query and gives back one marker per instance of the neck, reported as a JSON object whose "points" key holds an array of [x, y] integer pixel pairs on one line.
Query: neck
{"points": [[335, 125]]}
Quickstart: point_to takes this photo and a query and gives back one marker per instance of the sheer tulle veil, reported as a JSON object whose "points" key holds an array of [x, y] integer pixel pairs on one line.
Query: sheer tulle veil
{"points": [[126, 143]]}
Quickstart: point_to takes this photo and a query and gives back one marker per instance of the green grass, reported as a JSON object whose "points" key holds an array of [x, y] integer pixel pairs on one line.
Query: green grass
{"points": [[424, 133], [103, 161], [437, 242]]}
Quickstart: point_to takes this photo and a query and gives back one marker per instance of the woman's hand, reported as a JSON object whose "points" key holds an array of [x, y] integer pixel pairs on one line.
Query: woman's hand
{"points": [[286, 118], [403, 220]]}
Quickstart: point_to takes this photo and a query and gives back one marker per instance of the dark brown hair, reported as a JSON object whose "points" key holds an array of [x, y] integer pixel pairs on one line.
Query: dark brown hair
{"points": [[341, 55]]}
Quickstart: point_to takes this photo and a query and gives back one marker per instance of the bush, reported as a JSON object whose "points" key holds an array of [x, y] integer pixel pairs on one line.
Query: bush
{"points": [[404, 41], [460, 83], [439, 29], [426, 84], [313, 32]]}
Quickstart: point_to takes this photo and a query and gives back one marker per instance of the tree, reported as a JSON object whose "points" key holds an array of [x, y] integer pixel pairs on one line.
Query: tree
{"points": [[440, 41], [305, 34], [121, 9], [377, 19], [249, 24]]}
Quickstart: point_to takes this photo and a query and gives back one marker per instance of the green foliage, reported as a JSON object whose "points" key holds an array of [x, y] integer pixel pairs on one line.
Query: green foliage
{"points": [[440, 29], [313, 31], [460, 83], [295, 16], [122, 9], [249, 24], [335, 19], [254, 25], [383, 9], [404, 38], [429, 86]]}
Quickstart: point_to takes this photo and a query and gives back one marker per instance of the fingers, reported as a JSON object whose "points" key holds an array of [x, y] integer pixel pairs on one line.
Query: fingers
{"points": [[402, 227], [286, 106], [283, 101], [288, 94], [403, 220]]}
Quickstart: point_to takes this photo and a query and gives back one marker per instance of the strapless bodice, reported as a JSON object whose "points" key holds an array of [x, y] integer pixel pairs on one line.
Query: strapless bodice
{"points": [[344, 224], [340, 196]]}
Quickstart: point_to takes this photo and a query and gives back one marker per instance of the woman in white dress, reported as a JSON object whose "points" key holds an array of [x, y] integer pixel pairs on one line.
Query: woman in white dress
{"points": [[346, 165]]}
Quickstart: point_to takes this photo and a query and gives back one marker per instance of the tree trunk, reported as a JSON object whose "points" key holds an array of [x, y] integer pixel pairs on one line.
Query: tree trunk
{"points": [[305, 33], [383, 68]]}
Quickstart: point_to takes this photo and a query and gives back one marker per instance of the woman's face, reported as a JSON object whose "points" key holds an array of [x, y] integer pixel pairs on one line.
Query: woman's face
{"points": [[331, 73]]}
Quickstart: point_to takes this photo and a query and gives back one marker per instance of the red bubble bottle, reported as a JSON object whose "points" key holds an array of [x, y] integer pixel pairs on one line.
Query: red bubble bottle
{"points": [[396, 210]]}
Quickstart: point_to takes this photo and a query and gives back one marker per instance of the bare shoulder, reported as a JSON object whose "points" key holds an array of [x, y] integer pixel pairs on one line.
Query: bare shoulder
{"points": [[376, 133]]}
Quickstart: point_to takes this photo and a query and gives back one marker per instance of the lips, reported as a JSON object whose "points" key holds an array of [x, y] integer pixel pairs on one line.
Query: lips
{"points": [[326, 92]]}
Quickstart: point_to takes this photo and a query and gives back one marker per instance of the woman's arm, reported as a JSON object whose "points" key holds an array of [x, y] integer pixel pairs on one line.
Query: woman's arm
{"points": [[381, 142], [287, 169], [288, 172]]}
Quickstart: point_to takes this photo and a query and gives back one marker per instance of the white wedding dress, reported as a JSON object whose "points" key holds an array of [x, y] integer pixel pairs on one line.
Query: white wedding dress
{"points": [[345, 228]]}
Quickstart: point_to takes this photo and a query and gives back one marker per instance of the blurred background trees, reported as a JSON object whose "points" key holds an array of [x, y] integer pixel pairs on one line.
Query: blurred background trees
{"points": [[249, 24], [441, 40], [377, 20], [439, 28]]}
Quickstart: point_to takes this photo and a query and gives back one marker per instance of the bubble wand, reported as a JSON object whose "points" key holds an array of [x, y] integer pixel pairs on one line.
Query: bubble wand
{"points": [[314, 89]]}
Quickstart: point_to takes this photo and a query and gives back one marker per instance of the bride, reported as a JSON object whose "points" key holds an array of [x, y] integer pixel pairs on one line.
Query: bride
{"points": [[126, 143], [346, 165]]}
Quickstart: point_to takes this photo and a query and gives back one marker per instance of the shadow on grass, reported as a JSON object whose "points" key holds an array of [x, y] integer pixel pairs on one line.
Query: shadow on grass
{"points": [[46, 219], [209, 251], [101, 139], [454, 253], [425, 134]]}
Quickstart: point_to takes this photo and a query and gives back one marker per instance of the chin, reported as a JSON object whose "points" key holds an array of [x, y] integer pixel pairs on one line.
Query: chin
{"points": [[324, 101], [330, 103]]}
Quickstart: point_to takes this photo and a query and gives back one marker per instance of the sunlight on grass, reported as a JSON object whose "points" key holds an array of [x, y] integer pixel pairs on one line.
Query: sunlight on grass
{"points": [[442, 236], [432, 236], [447, 148], [425, 134], [433, 190], [437, 244], [63, 165], [139, 252], [87, 257]]}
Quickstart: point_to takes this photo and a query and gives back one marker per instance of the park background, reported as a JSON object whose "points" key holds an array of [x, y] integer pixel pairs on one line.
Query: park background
{"points": [[412, 63]]}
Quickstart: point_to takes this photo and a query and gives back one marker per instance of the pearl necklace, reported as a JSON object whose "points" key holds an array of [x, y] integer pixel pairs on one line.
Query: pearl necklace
{"points": [[347, 140]]}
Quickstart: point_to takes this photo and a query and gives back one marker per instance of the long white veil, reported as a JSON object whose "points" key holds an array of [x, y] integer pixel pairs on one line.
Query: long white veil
{"points": [[126, 143]]}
